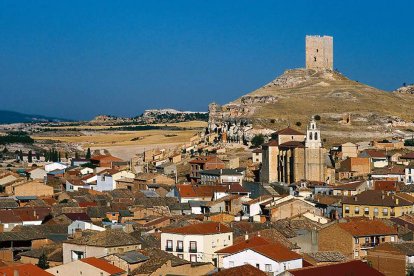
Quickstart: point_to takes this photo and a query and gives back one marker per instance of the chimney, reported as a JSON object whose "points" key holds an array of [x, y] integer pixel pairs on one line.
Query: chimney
{"points": [[246, 236]]}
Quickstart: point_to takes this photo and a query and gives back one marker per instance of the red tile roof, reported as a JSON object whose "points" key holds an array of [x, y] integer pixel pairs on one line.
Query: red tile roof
{"points": [[250, 243], [23, 270], [103, 265], [276, 252], [375, 153], [271, 143], [361, 228], [408, 156], [340, 269], [206, 159], [207, 228], [292, 144], [186, 190], [386, 185], [289, 131], [245, 270]]}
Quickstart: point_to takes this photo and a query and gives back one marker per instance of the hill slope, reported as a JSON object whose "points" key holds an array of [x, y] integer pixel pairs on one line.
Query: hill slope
{"points": [[11, 117], [343, 104]]}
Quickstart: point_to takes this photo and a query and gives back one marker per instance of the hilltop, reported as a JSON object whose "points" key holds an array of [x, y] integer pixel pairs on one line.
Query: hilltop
{"points": [[343, 104]]}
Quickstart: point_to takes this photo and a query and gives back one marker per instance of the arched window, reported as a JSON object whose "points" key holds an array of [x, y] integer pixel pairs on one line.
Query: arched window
{"points": [[316, 136], [310, 135]]}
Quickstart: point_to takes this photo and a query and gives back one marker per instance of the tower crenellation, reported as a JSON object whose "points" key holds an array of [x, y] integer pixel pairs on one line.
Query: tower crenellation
{"points": [[319, 52]]}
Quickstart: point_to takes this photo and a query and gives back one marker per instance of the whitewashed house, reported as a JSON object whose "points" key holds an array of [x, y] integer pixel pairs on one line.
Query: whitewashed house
{"points": [[55, 166], [271, 258], [197, 242], [106, 179], [79, 225], [409, 174]]}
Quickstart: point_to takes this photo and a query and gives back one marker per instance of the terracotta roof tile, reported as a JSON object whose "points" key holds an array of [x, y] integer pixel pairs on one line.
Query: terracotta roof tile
{"points": [[360, 228], [245, 270], [102, 265], [23, 270], [341, 269]]}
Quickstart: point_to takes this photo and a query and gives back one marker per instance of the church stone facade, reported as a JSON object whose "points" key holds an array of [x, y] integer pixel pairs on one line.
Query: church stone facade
{"points": [[319, 52], [293, 156]]}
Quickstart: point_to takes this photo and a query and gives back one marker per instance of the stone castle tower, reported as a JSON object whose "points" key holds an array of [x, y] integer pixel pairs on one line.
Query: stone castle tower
{"points": [[319, 52]]}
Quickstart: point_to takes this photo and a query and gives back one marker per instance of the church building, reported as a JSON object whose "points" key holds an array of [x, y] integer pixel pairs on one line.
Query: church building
{"points": [[292, 156]]}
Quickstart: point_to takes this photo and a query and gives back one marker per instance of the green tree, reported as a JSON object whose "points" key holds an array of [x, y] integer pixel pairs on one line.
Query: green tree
{"points": [[88, 154], [298, 124], [43, 263], [5, 150], [258, 140], [317, 117], [30, 156]]}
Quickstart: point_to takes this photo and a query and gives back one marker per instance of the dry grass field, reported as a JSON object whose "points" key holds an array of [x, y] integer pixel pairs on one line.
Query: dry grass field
{"points": [[123, 138]]}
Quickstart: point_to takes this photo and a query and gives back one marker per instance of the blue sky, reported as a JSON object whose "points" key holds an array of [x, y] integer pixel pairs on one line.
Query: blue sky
{"points": [[78, 59]]}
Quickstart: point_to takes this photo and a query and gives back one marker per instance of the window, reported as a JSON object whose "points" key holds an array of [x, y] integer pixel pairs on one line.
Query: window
{"points": [[193, 258], [356, 241], [258, 266], [310, 135], [385, 211], [346, 210], [376, 212], [169, 246], [356, 253], [77, 255], [382, 239], [356, 210], [193, 246], [366, 211], [316, 136], [180, 246], [268, 267], [392, 239], [231, 264]]}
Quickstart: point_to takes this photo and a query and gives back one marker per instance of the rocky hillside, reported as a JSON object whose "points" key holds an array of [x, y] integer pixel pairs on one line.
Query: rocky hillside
{"points": [[408, 89], [342, 104]]}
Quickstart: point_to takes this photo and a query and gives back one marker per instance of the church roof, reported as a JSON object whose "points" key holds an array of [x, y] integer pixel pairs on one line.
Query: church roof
{"points": [[292, 144], [288, 131]]}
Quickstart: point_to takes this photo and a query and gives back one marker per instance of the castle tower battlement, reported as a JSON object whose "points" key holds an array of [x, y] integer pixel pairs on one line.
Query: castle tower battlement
{"points": [[319, 52]]}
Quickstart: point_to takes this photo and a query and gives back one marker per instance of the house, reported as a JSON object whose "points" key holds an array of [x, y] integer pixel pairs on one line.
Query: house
{"points": [[167, 168], [272, 258], [53, 254], [98, 244], [337, 269], [175, 158], [257, 156], [104, 161], [32, 188], [202, 163], [252, 207], [221, 176], [409, 174], [55, 166], [289, 207], [388, 144], [79, 225], [392, 258], [23, 269], [127, 261], [245, 269], [22, 216], [376, 204], [354, 167], [163, 263], [106, 179], [154, 178], [324, 257], [37, 174], [87, 266], [356, 237], [350, 188], [394, 172], [387, 185], [377, 158], [197, 242], [186, 192]]}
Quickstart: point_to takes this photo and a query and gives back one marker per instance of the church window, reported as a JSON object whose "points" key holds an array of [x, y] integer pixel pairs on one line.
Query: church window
{"points": [[317, 50], [316, 136], [314, 59], [310, 135]]}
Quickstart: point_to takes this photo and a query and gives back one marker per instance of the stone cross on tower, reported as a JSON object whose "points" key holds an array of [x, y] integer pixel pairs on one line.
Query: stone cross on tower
{"points": [[319, 52], [313, 136]]}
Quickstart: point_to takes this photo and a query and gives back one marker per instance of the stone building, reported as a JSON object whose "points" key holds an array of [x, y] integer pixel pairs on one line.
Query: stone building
{"points": [[292, 157], [319, 52]]}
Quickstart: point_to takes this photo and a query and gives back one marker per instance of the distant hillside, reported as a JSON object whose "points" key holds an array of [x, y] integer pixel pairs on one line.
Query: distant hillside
{"points": [[11, 117]]}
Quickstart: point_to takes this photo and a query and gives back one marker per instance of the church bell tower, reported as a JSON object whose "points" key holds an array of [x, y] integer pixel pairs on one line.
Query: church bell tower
{"points": [[313, 136]]}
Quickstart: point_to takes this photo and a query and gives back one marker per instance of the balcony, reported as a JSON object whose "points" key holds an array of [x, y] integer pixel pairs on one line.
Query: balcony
{"points": [[179, 249], [170, 249], [192, 250], [369, 245]]}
